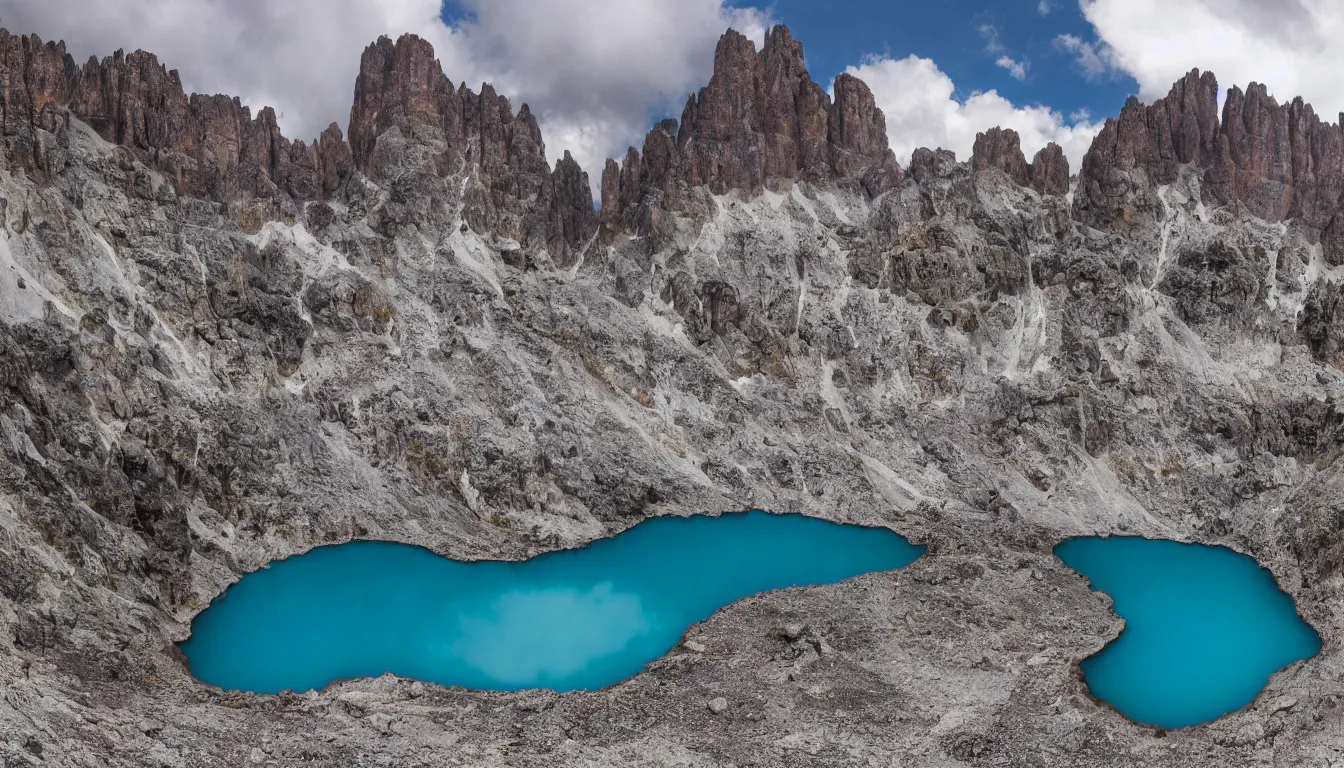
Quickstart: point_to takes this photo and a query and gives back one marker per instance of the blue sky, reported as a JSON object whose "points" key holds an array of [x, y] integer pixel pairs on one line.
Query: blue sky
{"points": [[955, 34], [1010, 48], [836, 34]]}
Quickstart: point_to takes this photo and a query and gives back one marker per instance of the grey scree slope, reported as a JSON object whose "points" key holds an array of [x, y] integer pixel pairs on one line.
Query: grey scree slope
{"points": [[219, 348]]}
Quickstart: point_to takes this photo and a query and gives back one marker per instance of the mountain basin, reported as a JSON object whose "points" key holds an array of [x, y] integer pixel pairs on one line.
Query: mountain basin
{"points": [[573, 619], [1205, 627]]}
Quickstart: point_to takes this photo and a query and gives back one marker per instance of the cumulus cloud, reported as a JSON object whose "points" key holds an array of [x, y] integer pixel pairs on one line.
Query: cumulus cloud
{"points": [[917, 98], [592, 70], [1016, 69], [1289, 45], [1043, 7]]}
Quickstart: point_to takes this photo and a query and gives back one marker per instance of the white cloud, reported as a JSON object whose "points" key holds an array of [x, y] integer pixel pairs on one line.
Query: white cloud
{"points": [[1289, 45], [1095, 59], [1043, 7], [590, 69], [921, 111], [990, 34], [1016, 69], [535, 637]]}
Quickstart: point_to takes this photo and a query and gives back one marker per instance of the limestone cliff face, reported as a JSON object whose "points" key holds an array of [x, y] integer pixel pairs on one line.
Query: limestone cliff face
{"points": [[220, 348]]}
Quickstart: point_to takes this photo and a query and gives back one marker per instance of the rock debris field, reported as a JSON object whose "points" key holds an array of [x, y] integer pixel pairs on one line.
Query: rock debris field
{"points": [[220, 347]]}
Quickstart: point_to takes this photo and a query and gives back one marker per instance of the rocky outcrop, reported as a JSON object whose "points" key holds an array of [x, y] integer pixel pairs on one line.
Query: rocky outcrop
{"points": [[572, 219], [1220, 283], [1145, 146], [212, 147], [1322, 322], [858, 137], [1280, 161], [1050, 170], [761, 119], [1277, 161], [409, 117], [927, 164], [1001, 148], [33, 75]]}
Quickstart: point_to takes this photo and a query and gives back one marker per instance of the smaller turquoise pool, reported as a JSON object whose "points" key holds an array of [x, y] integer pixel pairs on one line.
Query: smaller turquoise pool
{"points": [[581, 618], [1205, 627]]}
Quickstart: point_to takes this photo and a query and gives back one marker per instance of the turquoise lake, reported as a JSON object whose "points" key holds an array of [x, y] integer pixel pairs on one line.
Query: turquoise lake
{"points": [[1205, 627], [574, 619]]}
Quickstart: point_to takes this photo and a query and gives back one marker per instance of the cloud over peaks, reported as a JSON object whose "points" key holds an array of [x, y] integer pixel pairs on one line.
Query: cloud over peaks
{"points": [[921, 110], [592, 70], [1289, 45]]}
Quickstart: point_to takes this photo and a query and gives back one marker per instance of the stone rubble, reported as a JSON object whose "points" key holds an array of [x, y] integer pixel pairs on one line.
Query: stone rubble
{"points": [[220, 347]]}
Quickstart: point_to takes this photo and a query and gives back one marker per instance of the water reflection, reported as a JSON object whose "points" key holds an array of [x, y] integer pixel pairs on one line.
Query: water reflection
{"points": [[583, 618]]}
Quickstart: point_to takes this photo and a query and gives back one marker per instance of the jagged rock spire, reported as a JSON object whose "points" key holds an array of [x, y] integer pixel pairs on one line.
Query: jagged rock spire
{"points": [[211, 146], [1001, 148], [1278, 161], [761, 118]]}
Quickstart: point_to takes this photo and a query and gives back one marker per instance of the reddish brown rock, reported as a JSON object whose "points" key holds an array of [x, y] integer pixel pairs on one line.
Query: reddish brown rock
{"points": [[400, 85], [857, 134], [212, 147], [1145, 146], [572, 218], [610, 194], [1001, 148], [721, 129], [760, 119], [794, 121], [333, 160], [1050, 171], [621, 188], [402, 93], [1281, 161], [658, 166], [1332, 240], [33, 75]]}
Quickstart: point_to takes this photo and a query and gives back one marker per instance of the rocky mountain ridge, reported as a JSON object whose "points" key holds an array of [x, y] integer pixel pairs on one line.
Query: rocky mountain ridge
{"points": [[219, 348]]}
